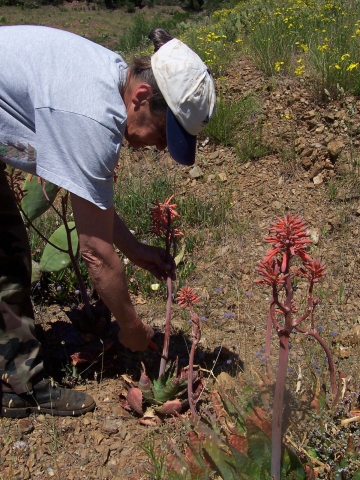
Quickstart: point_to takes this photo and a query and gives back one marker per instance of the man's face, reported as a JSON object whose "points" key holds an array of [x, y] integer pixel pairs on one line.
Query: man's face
{"points": [[145, 129]]}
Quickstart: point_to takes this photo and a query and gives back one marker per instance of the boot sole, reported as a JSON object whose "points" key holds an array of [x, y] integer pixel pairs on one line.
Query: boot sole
{"points": [[25, 412]]}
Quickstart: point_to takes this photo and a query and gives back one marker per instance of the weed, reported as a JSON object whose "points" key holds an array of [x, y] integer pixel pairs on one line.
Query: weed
{"points": [[230, 118]]}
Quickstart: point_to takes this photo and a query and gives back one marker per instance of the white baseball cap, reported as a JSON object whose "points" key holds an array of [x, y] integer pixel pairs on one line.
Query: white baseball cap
{"points": [[189, 91]]}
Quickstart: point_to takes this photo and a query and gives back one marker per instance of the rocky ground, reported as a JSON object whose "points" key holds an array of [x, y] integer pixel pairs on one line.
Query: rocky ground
{"points": [[311, 169]]}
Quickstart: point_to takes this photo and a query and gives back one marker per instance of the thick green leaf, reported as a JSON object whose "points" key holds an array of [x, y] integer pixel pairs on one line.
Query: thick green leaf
{"points": [[259, 447], [53, 260], [146, 387], [291, 465], [224, 464], [245, 465], [35, 203], [164, 392], [35, 272]]}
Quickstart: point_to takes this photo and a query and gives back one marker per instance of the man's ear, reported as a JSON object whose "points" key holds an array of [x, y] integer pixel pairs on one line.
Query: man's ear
{"points": [[141, 94]]}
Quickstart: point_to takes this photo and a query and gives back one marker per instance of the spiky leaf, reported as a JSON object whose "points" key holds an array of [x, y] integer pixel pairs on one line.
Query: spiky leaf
{"points": [[224, 464], [170, 407], [292, 466], [163, 390], [134, 398], [259, 447], [34, 202], [54, 260], [146, 387], [244, 464]]}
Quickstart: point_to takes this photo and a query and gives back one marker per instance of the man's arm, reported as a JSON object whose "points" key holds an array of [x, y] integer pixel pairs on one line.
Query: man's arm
{"points": [[95, 228], [151, 258]]}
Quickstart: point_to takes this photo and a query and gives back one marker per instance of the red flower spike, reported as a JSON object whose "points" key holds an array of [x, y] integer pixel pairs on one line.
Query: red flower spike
{"points": [[187, 297], [270, 271], [313, 270], [160, 215], [289, 235]]}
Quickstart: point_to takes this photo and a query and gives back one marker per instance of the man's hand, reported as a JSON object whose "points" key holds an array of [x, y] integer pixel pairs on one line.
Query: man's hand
{"points": [[153, 259], [156, 261], [136, 336]]}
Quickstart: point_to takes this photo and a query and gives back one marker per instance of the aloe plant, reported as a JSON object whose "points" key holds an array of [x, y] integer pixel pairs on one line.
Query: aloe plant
{"points": [[234, 442], [166, 395]]}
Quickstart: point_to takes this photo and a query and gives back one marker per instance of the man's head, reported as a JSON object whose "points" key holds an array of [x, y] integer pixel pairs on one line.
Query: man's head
{"points": [[180, 94]]}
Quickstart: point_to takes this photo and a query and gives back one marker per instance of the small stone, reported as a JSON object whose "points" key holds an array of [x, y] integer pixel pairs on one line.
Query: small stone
{"points": [[214, 155], [122, 433], [318, 180], [307, 152], [116, 445], [86, 421], [334, 148], [222, 177], [109, 427], [25, 426], [196, 172]]}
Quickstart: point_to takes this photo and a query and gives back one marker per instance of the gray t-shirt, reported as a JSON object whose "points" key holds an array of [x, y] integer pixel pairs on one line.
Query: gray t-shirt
{"points": [[61, 113]]}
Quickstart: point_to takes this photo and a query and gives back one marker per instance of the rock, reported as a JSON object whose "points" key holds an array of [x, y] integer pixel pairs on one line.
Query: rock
{"points": [[306, 162], [318, 180], [222, 177], [196, 172], [317, 168], [320, 129], [314, 235], [307, 152], [334, 149], [109, 427], [25, 426], [214, 155], [116, 445], [277, 205]]}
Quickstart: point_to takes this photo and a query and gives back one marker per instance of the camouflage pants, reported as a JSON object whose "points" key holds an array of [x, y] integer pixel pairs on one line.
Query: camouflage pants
{"points": [[20, 353]]}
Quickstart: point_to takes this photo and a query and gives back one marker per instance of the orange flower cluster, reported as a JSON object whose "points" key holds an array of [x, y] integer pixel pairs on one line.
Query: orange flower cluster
{"points": [[270, 272], [187, 297], [289, 237], [313, 270], [163, 214]]}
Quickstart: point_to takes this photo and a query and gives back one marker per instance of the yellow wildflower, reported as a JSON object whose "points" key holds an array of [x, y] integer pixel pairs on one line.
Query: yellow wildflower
{"points": [[322, 48], [300, 70], [277, 67], [345, 56], [352, 66]]}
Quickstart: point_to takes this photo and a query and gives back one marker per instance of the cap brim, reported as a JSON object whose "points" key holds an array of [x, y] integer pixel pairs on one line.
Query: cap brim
{"points": [[181, 144]]}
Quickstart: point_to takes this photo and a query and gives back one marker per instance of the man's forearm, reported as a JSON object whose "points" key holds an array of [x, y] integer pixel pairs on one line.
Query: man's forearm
{"points": [[124, 240], [109, 281]]}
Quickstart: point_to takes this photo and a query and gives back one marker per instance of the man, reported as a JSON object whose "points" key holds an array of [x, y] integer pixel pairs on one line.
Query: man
{"points": [[65, 105]]}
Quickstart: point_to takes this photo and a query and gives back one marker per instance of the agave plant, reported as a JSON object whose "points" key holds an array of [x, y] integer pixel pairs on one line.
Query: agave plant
{"points": [[233, 442], [165, 395]]}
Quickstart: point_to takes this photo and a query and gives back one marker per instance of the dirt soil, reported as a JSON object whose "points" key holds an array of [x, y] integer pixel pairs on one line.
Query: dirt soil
{"points": [[312, 170]]}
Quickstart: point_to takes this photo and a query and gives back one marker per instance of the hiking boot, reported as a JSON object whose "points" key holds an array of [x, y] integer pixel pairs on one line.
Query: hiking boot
{"points": [[46, 397]]}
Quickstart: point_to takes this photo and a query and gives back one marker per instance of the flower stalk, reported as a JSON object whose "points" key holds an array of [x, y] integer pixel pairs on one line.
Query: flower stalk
{"points": [[289, 239]]}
